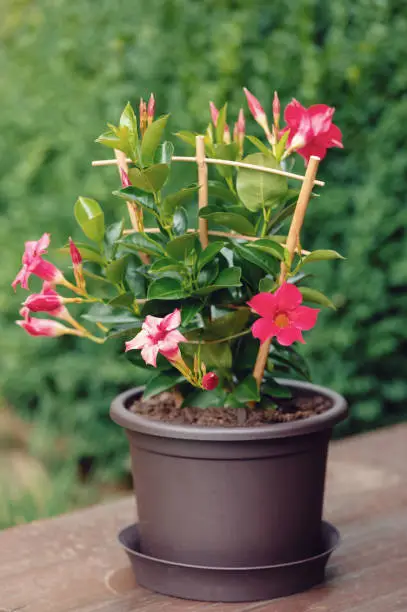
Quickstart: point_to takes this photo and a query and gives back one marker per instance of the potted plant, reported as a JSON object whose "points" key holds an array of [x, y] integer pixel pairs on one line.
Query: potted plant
{"points": [[207, 289]]}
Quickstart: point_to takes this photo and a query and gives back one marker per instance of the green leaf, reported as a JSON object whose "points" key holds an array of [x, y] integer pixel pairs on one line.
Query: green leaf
{"points": [[281, 216], [172, 201], [150, 179], [226, 151], [321, 255], [138, 242], [205, 399], [128, 120], [209, 254], [134, 279], [218, 190], [247, 390], [272, 388], [263, 260], [259, 144], [124, 299], [87, 252], [229, 277], [267, 246], [280, 147], [179, 248], [227, 325], [190, 316], [188, 137], [220, 124], [208, 274], [102, 313], [109, 139], [115, 270], [164, 153], [166, 263], [90, 218], [133, 194], [257, 189], [312, 295], [267, 284], [151, 139], [232, 221], [161, 382], [180, 222], [166, 289]]}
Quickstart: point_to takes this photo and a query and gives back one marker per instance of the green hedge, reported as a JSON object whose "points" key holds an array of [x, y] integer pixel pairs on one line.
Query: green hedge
{"points": [[69, 66]]}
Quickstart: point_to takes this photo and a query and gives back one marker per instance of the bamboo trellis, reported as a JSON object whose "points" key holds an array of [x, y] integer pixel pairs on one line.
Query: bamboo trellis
{"points": [[293, 239]]}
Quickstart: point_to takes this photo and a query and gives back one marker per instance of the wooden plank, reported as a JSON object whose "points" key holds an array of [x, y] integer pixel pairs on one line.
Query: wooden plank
{"points": [[73, 563]]}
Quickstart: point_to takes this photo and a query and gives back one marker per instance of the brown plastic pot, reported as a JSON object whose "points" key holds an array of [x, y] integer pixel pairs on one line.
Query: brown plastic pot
{"points": [[230, 497]]}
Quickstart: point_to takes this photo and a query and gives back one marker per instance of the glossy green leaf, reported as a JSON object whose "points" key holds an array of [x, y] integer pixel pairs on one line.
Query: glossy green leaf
{"points": [[151, 139], [247, 390], [188, 137], [180, 222], [321, 255], [133, 194], [208, 274], [280, 216], [259, 144], [265, 261], [150, 179], [229, 277], [312, 295], [190, 316], [216, 189], [90, 218], [166, 263], [161, 382], [267, 246], [273, 389], [174, 200], [128, 120], [232, 221], [181, 247], [229, 152], [280, 146], [267, 284], [102, 313], [124, 300], [115, 270], [135, 280], [164, 153], [166, 289], [221, 123], [227, 325], [257, 189], [145, 244], [206, 399], [209, 254], [109, 139]]}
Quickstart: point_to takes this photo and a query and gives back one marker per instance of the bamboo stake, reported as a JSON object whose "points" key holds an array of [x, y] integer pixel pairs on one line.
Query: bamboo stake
{"points": [[221, 162], [135, 213], [292, 244], [203, 189]]}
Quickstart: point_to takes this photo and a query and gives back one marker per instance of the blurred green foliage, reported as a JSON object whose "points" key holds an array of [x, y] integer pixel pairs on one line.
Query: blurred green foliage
{"points": [[67, 67]]}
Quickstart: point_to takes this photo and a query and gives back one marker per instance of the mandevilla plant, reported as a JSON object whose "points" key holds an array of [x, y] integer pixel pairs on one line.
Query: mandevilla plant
{"points": [[194, 291]]}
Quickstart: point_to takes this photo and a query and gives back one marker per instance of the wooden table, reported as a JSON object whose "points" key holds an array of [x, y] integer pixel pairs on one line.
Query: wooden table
{"points": [[73, 563]]}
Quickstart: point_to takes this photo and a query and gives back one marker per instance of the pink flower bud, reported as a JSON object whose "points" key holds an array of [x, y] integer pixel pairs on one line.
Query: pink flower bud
{"points": [[151, 109], [214, 113], [44, 302], [257, 111], [210, 381], [75, 254], [45, 327], [276, 109], [124, 178]]}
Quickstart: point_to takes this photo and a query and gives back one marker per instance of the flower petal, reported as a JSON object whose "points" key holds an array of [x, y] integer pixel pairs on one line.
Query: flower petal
{"points": [[294, 111], [152, 324], [175, 337], [334, 137], [288, 335], [304, 317], [149, 354], [264, 329], [21, 278], [138, 342], [312, 148], [264, 304], [288, 297], [171, 321]]}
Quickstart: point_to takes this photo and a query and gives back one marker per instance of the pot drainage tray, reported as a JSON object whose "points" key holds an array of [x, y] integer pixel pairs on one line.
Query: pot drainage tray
{"points": [[227, 584]]}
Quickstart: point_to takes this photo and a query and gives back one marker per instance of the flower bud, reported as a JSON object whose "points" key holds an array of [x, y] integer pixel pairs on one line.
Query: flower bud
{"points": [[214, 113], [143, 116], [210, 381], [77, 265], [124, 177], [257, 111], [151, 109], [276, 110]]}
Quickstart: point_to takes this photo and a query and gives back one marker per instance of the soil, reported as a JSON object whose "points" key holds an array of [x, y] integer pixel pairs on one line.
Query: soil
{"points": [[167, 407]]}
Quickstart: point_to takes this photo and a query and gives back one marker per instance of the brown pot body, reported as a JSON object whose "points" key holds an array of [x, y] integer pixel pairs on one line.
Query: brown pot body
{"points": [[236, 497]]}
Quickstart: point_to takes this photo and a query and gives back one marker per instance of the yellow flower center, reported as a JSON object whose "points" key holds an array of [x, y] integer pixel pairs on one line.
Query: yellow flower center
{"points": [[282, 320]]}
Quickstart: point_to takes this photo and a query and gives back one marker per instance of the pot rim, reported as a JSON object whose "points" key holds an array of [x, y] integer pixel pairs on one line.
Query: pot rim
{"points": [[121, 415]]}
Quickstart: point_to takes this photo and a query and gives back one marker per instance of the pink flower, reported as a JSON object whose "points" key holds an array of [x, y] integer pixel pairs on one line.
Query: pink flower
{"points": [[75, 254], [257, 111], [124, 178], [34, 264], [214, 117], [311, 130], [282, 315], [158, 336], [43, 327], [151, 109], [210, 381], [47, 301]]}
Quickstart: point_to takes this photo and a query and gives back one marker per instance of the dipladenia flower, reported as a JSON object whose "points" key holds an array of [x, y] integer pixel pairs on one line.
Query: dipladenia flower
{"points": [[44, 327], [47, 301], [311, 129], [34, 264], [210, 381], [258, 113], [76, 258], [159, 335], [214, 117], [151, 109], [282, 315], [124, 177]]}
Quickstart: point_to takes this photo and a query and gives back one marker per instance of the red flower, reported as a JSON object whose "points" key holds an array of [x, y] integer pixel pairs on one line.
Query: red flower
{"points": [[210, 381], [43, 327], [311, 130], [47, 301], [34, 264], [158, 336], [282, 315]]}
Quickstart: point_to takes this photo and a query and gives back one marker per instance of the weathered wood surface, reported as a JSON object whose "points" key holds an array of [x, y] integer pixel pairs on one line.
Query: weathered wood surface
{"points": [[73, 563]]}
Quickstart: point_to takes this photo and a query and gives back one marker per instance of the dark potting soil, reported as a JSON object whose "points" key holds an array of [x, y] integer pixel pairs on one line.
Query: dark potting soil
{"points": [[167, 407]]}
